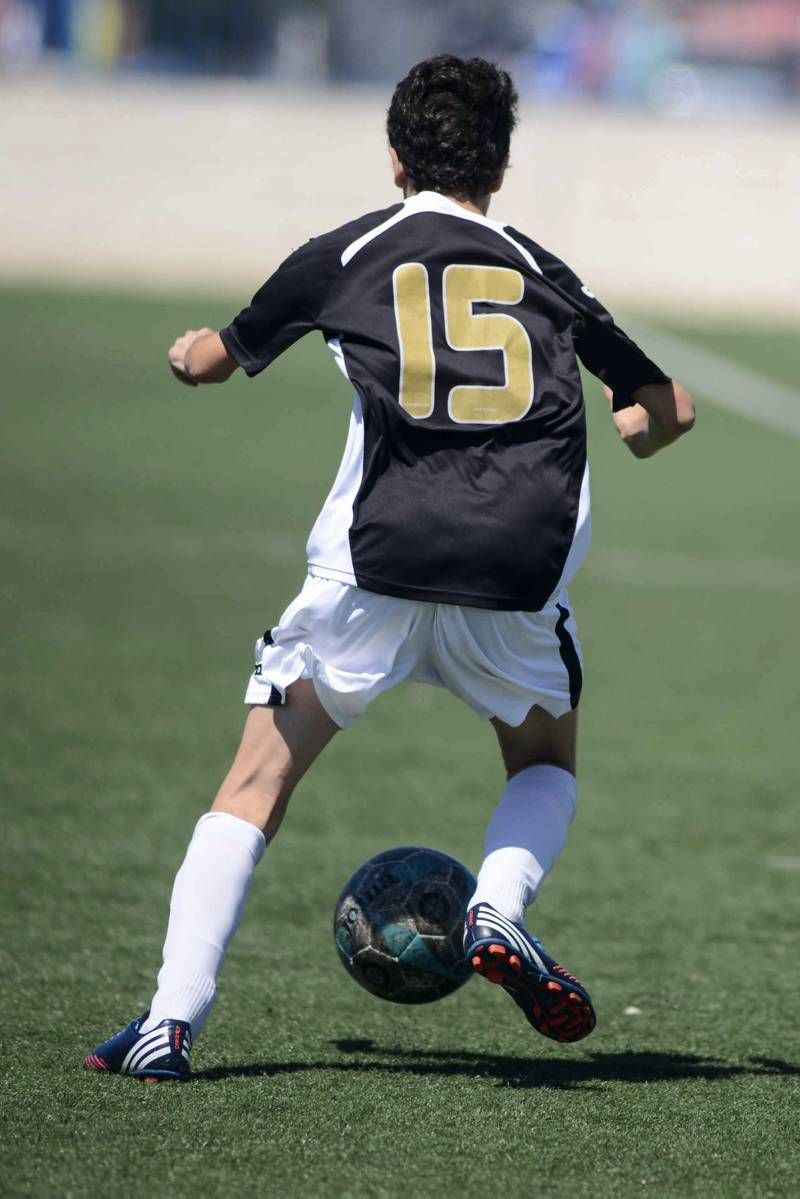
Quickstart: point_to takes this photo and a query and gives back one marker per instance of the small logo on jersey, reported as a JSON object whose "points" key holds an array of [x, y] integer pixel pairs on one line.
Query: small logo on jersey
{"points": [[258, 668], [586, 291]]}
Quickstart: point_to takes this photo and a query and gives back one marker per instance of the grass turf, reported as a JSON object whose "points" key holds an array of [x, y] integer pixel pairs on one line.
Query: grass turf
{"points": [[148, 534]]}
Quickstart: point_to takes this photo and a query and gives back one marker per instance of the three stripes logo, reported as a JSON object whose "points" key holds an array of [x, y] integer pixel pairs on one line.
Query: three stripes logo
{"points": [[489, 923], [165, 1041]]}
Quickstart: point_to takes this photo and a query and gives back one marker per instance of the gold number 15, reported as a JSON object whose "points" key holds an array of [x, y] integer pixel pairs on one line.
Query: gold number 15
{"points": [[463, 287]]}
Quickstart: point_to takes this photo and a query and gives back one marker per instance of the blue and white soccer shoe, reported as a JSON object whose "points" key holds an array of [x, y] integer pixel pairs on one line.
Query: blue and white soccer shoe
{"points": [[162, 1053], [554, 1002]]}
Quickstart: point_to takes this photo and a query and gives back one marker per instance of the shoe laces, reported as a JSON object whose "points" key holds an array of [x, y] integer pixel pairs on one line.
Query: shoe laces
{"points": [[565, 974]]}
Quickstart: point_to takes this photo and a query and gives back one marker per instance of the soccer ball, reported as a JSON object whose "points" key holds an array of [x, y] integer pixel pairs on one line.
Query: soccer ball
{"points": [[399, 924]]}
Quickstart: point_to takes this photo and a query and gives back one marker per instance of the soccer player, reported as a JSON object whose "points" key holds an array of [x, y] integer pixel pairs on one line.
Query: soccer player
{"points": [[444, 550]]}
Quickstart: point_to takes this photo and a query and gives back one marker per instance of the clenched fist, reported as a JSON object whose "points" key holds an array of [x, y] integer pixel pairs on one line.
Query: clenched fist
{"points": [[178, 351]]}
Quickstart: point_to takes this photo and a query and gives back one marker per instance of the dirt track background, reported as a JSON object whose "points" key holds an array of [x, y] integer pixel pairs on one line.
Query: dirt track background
{"points": [[140, 184]]}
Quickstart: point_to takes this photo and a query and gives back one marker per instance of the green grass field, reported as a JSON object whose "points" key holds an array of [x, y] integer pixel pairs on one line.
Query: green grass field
{"points": [[149, 533]]}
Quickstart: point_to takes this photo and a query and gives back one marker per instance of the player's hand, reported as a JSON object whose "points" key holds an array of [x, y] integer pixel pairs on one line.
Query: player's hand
{"points": [[663, 412], [629, 421], [178, 351]]}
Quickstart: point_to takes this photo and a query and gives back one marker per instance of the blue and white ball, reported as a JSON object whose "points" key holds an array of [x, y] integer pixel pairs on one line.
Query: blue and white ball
{"points": [[399, 924]]}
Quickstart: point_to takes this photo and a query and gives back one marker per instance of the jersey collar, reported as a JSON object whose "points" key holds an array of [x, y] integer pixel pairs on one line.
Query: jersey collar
{"points": [[430, 201]]}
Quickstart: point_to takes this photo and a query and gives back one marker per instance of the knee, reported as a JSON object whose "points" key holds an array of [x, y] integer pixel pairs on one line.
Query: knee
{"points": [[541, 740], [516, 763]]}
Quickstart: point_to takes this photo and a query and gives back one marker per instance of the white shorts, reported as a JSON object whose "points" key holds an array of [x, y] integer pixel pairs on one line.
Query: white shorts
{"points": [[356, 644]]}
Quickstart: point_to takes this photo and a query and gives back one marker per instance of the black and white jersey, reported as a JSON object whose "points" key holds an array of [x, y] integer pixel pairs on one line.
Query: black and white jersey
{"points": [[464, 478]]}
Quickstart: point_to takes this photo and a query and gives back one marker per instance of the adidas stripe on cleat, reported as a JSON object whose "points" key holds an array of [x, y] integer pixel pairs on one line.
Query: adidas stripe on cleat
{"points": [[155, 1056], [554, 1002]]}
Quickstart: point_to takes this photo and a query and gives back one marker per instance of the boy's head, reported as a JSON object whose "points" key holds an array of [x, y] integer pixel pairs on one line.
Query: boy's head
{"points": [[450, 123]]}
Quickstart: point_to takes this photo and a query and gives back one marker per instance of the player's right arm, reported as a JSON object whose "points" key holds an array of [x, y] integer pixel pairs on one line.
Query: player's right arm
{"points": [[283, 310]]}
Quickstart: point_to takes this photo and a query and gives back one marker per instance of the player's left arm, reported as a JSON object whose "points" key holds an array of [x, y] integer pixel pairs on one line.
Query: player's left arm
{"points": [[200, 357], [649, 409], [659, 415]]}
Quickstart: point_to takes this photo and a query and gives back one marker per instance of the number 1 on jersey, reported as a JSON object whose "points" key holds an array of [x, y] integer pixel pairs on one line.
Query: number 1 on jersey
{"points": [[412, 310], [463, 287]]}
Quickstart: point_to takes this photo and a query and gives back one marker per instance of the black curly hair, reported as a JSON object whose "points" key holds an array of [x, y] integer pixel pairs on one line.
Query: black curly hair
{"points": [[450, 122]]}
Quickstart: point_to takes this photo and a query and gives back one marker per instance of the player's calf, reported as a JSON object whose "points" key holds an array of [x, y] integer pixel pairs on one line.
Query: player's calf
{"points": [[278, 745]]}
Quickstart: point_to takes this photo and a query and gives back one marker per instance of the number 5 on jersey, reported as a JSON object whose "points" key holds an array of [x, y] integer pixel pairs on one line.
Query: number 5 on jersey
{"points": [[462, 288]]}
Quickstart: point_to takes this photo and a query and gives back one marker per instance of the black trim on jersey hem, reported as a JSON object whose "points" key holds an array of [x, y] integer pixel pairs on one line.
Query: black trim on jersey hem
{"points": [[460, 599]]}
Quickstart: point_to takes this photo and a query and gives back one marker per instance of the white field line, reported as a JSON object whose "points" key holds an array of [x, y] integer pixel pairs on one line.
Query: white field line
{"points": [[779, 863], [723, 382]]}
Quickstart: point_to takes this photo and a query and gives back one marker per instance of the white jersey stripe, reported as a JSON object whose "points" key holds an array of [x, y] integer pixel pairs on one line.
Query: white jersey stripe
{"points": [[433, 202], [328, 547], [360, 242], [581, 538]]}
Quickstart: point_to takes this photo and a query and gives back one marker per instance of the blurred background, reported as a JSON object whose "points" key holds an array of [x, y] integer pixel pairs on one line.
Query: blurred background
{"points": [[200, 140], [681, 56]]}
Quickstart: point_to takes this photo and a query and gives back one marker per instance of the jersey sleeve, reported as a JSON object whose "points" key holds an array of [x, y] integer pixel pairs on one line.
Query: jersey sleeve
{"points": [[285, 308], [603, 348]]}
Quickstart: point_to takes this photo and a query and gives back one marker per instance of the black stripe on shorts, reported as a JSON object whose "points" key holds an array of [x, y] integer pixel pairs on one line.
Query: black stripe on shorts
{"points": [[569, 656]]}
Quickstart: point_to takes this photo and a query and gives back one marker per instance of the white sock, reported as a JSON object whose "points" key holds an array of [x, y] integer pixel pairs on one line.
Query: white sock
{"points": [[207, 903], [525, 836]]}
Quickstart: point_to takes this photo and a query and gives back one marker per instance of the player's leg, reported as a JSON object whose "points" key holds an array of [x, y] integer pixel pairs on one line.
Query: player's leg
{"points": [[525, 836], [277, 747], [523, 671], [528, 829], [353, 645], [211, 887]]}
